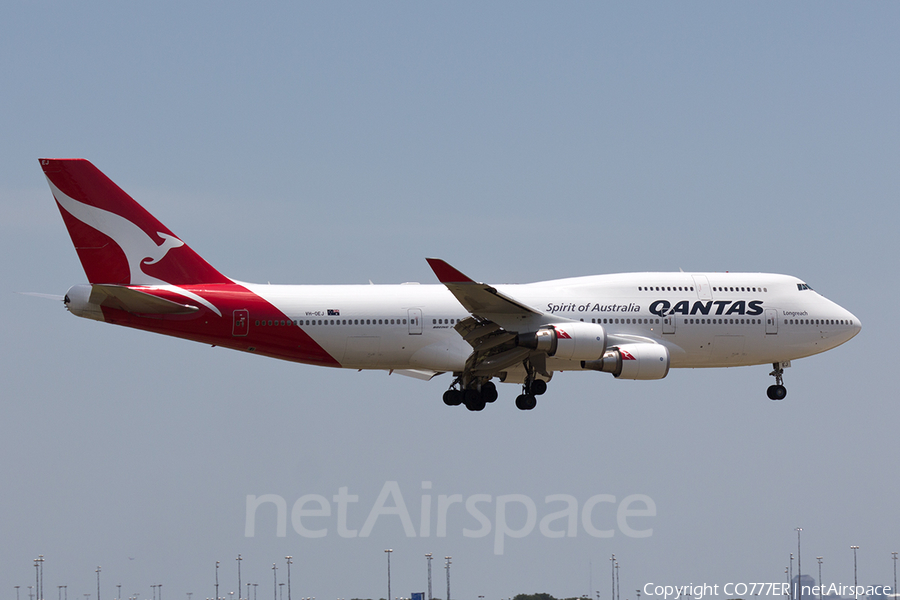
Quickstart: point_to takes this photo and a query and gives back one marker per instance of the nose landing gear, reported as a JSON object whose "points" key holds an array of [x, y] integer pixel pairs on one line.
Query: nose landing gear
{"points": [[777, 391]]}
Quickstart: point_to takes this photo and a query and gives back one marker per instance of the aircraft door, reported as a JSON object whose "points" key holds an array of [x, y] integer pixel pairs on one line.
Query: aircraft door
{"points": [[415, 321], [701, 284], [241, 323], [668, 323], [771, 321]]}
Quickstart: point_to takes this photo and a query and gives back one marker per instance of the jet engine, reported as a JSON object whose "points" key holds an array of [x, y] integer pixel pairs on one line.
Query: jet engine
{"points": [[567, 341], [633, 361]]}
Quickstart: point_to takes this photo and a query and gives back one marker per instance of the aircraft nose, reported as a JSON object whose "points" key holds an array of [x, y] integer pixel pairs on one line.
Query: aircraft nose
{"points": [[855, 323]]}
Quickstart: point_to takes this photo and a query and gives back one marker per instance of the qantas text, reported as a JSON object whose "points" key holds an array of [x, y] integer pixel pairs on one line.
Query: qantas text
{"points": [[705, 307]]}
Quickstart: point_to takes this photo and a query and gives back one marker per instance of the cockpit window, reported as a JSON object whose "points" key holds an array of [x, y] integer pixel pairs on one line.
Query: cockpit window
{"points": [[803, 286]]}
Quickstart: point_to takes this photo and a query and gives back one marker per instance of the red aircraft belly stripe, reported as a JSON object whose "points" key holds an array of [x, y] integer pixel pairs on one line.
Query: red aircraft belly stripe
{"points": [[288, 342]]}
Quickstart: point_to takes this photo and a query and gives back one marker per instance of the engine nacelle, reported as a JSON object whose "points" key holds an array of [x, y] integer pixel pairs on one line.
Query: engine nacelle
{"points": [[633, 361], [567, 341]]}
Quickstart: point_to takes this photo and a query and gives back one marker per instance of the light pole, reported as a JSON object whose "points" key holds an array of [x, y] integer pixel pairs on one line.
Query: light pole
{"points": [[239, 559], [447, 558], [217, 580], [289, 559], [819, 559], [428, 558], [799, 579], [119, 592], [894, 554], [281, 590], [791, 578], [255, 585], [388, 552], [275, 579], [98, 582], [618, 583], [41, 591], [612, 566], [854, 548]]}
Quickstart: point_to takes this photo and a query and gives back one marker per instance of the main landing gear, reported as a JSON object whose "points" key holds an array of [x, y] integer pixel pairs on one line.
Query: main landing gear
{"points": [[475, 397], [479, 394], [532, 387], [777, 391]]}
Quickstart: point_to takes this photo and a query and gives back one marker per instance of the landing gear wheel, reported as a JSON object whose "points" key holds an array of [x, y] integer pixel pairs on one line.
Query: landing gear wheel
{"points": [[526, 402], [538, 387], [473, 400], [776, 392], [489, 391], [453, 397]]}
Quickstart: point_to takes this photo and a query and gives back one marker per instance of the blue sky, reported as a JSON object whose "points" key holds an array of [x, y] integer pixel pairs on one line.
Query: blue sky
{"points": [[342, 143]]}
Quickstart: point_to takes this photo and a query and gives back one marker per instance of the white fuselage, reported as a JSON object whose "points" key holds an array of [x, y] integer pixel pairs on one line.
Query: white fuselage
{"points": [[704, 319]]}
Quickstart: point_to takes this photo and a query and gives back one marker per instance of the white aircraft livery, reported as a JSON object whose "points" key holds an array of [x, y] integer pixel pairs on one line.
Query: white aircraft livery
{"points": [[632, 325]]}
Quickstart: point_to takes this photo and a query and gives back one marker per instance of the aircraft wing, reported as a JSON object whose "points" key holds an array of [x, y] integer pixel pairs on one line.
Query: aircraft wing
{"points": [[478, 298], [493, 329]]}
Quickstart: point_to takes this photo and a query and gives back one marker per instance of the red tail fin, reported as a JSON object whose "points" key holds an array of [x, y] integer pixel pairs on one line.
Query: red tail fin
{"points": [[118, 241]]}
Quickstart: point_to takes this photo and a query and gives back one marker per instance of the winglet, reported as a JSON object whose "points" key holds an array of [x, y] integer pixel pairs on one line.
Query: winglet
{"points": [[445, 273]]}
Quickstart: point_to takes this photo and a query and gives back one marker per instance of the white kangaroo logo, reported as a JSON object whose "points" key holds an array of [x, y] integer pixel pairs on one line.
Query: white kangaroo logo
{"points": [[139, 248]]}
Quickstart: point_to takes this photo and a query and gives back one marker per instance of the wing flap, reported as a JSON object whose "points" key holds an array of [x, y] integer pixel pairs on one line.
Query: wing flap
{"points": [[423, 374]]}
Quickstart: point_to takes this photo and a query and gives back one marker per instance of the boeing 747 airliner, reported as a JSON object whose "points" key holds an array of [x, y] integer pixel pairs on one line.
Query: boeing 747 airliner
{"points": [[632, 325]]}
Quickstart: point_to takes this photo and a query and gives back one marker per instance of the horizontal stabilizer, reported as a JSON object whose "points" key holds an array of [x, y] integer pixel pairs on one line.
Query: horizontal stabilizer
{"points": [[136, 301]]}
